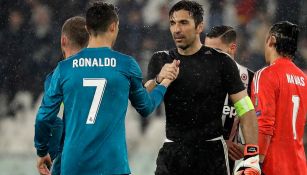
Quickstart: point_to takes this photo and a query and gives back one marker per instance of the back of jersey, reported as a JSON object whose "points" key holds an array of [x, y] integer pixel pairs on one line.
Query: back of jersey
{"points": [[281, 105], [95, 85], [292, 102]]}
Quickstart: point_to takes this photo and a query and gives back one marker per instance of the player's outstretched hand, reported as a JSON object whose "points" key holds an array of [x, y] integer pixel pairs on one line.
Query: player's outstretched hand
{"points": [[44, 164], [171, 71], [235, 151], [250, 164]]}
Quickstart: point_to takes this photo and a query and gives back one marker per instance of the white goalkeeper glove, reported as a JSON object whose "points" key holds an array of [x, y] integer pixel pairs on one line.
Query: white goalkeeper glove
{"points": [[250, 164]]}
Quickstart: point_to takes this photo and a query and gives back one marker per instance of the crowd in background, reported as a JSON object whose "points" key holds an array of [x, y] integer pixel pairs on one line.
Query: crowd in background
{"points": [[30, 35]]}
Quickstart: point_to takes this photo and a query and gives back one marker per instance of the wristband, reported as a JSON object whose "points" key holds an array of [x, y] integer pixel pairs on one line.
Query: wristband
{"points": [[156, 80]]}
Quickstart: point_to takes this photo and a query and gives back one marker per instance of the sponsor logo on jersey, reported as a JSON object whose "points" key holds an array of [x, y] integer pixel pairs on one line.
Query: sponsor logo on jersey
{"points": [[258, 113], [243, 77], [229, 110]]}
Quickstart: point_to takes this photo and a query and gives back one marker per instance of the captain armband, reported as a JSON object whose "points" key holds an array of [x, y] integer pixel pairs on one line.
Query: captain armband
{"points": [[243, 106]]}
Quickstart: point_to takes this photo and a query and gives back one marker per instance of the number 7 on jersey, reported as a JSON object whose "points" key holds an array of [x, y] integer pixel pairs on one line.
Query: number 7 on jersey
{"points": [[100, 84]]}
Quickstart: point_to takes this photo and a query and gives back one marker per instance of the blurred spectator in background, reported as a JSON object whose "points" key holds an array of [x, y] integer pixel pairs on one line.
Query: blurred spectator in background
{"points": [[216, 12], [288, 10], [43, 49], [131, 28], [13, 56]]}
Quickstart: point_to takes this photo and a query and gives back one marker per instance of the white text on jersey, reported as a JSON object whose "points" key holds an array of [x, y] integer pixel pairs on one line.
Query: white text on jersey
{"points": [[229, 110], [293, 79], [94, 62]]}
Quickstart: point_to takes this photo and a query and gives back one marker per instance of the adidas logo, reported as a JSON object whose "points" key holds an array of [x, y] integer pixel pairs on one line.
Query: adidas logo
{"points": [[208, 52]]}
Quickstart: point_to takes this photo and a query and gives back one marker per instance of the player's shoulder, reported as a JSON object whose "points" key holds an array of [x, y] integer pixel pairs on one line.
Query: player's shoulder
{"points": [[48, 80], [49, 76], [216, 54], [212, 51], [270, 70], [120, 55], [164, 54], [242, 67], [266, 73]]}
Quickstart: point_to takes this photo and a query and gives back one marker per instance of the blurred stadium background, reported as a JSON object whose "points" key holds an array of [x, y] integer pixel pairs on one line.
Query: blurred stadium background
{"points": [[30, 48]]}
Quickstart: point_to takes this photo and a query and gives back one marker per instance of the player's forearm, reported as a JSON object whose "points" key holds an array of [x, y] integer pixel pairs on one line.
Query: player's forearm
{"points": [[144, 102], [41, 139], [249, 126], [150, 85], [45, 120], [264, 143]]}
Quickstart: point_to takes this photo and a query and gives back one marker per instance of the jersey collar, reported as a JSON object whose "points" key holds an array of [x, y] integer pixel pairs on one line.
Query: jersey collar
{"points": [[282, 60]]}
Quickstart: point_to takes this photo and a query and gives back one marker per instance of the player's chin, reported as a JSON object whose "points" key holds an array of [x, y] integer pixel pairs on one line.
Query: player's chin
{"points": [[180, 44]]}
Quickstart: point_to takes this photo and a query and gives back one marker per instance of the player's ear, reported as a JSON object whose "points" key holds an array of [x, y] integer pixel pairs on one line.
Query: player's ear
{"points": [[233, 47], [200, 27], [87, 30], [113, 26], [272, 40], [64, 40]]}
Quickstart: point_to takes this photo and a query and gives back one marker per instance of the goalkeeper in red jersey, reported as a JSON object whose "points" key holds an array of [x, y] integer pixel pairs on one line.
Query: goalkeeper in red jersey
{"points": [[279, 93]]}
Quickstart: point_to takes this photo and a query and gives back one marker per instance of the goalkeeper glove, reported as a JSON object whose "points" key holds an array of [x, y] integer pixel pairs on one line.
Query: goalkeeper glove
{"points": [[250, 163]]}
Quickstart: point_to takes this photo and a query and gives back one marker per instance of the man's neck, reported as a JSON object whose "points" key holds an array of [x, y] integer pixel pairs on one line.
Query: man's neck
{"points": [[71, 51], [99, 41], [195, 47], [274, 57]]}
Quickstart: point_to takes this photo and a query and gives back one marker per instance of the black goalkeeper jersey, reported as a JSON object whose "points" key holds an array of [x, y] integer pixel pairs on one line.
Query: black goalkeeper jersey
{"points": [[195, 100]]}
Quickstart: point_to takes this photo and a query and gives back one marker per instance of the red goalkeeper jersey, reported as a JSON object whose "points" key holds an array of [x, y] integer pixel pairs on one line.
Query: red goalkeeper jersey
{"points": [[279, 93]]}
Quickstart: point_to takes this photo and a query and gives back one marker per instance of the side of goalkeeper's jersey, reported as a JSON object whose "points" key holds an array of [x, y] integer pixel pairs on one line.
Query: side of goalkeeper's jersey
{"points": [[95, 86], [279, 93]]}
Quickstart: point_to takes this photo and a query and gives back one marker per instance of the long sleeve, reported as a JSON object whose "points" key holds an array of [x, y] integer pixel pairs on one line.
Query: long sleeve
{"points": [[141, 100], [47, 114], [264, 95]]}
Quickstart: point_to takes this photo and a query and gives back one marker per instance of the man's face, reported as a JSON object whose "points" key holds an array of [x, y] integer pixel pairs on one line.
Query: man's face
{"points": [[115, 32], [182, 27], [267, 47], [217, 43]]}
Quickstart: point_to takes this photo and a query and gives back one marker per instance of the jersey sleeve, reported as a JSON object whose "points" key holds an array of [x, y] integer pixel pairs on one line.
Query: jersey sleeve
{"points": [[231, 76], [155, 65], [141, 100], [47, 81], [264, 95], [47, 113]]}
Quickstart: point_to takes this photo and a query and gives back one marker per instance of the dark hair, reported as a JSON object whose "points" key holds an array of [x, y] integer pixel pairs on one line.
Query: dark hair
{"points": [[286, 34], [74, 29], [193, 7], [99, 17], [227, 33]]}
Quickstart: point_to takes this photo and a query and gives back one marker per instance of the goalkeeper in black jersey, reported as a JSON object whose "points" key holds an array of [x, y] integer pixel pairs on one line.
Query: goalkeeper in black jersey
{"points": [[194, 143]]}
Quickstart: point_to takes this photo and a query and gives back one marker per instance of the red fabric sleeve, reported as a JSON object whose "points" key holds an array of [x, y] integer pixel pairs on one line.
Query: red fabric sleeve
{"points": [[263, 142], [264, 95]]}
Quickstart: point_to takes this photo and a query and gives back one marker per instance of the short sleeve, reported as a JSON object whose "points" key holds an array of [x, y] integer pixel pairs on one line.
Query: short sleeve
{"points": [[231, 76], [155, 65]]}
